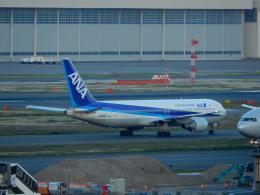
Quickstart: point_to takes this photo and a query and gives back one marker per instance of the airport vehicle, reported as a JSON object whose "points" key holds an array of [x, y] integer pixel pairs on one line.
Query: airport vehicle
{"points": [[39, 60], [195, 115], [249, 124], [15, 180]]}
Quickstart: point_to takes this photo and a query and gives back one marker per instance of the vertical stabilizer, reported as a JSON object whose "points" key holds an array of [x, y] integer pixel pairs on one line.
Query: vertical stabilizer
{"points": [[79, 93]]}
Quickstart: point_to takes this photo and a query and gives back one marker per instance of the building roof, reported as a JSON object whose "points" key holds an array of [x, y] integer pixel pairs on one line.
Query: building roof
{"points": [[136, 4]]}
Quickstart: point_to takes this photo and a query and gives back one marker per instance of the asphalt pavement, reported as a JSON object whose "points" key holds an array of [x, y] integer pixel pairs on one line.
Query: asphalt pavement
{"points": [[139, 136], [195, 160], [63, 99], [134, 66], [179, 160]]}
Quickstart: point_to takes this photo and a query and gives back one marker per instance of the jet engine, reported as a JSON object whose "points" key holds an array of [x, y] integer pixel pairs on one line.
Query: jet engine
{"points": [[196, 124]]}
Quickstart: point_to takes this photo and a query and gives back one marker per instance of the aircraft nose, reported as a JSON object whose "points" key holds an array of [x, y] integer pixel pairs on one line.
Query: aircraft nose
{"points": [[242, 127]]}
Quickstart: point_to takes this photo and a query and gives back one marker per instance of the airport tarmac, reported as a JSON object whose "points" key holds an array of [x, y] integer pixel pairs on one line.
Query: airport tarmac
{"points": [[191, 160], [63, 99], [134, 66], [179, 160], [139, 136]]}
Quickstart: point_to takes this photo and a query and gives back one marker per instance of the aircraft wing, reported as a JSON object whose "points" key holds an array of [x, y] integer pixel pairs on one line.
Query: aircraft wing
{"points": [[173, 117], [47, 108], [250, 107]]}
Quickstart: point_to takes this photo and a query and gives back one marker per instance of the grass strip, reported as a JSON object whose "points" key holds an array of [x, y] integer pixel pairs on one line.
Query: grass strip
{"points": [[126, 147], [141, 74]]}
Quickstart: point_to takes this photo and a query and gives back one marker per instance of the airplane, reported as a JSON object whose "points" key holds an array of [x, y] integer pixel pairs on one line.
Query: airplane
{"points": [[249, 124], [194, 115]]}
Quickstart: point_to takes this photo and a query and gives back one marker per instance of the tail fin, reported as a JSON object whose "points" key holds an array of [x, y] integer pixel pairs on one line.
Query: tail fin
{"points": [[79, 93]]}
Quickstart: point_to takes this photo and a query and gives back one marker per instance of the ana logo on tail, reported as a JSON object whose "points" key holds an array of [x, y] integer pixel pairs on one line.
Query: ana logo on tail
{"points": [[80, 87]]}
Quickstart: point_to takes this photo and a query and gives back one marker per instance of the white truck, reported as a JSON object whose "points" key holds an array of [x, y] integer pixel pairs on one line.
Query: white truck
{"points": [[15, 180], [39, 60]]}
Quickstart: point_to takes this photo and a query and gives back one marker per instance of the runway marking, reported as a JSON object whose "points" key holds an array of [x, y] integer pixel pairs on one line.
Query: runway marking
{"points": [[11, 101], [253, 91]]}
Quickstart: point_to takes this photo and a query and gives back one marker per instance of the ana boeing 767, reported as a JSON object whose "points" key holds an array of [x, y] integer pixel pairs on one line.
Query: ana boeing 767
{"points": [[195, 115]]}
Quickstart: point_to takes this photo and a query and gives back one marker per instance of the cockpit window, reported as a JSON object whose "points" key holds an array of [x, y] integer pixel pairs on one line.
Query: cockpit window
{"points": [[249, 119]]}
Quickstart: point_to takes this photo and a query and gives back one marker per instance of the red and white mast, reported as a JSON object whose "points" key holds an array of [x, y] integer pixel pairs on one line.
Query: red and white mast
{"points": [[193, 57]]}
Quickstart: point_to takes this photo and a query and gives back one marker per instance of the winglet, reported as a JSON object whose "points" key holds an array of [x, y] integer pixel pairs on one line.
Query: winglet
{"points": [[79, 93]]}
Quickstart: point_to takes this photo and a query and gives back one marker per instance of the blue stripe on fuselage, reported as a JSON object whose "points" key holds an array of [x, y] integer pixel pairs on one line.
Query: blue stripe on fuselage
{"points": [[140, 110]]}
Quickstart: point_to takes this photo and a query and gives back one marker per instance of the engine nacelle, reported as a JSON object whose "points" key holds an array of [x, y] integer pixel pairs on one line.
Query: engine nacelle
{"points": [[196, 124]]}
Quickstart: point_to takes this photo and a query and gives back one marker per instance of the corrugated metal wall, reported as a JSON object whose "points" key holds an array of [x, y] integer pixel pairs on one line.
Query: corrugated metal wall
{"points": [[120, 34], [252, 33]]}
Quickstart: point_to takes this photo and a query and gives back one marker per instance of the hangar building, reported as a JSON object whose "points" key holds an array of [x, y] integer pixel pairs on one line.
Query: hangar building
{"points": [[111, 30]]}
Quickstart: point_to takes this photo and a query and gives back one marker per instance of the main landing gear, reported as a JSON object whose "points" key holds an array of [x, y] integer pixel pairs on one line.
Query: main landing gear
{"points": [[165, 132], [126, 132], [212, 131]]}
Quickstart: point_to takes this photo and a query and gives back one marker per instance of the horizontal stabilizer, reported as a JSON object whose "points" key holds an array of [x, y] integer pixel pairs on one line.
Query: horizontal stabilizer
{"points": [[87, 111], [46, 108]]}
